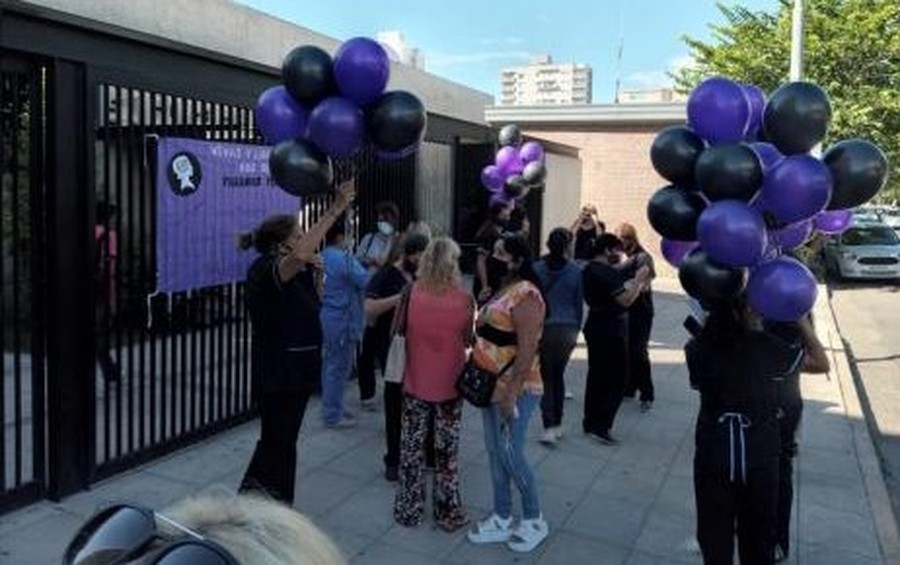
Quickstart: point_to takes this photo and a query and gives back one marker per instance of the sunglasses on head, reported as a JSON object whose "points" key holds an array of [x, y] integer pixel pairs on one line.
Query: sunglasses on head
{"points": [[123, 532]]}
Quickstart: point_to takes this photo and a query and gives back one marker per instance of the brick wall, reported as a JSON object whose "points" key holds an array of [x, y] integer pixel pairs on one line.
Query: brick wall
{"points": [[617, 176]]}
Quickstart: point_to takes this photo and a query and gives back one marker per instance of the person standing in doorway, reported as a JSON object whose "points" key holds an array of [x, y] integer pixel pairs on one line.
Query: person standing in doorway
{"points": [[286, 345], [382, 298], [488, 268], [640, 321], [561, 280], [345, 280], [608, 293]]}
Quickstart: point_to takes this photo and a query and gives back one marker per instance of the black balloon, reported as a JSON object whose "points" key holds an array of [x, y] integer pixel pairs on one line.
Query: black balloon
{"points": [[674, 153], [300, 168], [796, 117], [673, 212], [534, 173], [859, 170], [510, 135], [307, 75], [729, 172], [396, 121], [709, 282], [515, 186]]}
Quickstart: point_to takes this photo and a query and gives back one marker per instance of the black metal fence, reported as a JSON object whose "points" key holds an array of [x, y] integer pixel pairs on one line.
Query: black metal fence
{"points": [[99, 373], [21, 280]]}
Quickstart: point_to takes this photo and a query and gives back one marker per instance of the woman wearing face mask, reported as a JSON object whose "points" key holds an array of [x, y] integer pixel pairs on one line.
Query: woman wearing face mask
{"points": [[508, 333], [608, 293], [737, 367], [374, 252], [489, 269], [287, 340]]}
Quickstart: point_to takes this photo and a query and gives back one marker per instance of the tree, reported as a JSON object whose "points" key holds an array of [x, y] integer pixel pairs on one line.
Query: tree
{"points": [[852, 50]]}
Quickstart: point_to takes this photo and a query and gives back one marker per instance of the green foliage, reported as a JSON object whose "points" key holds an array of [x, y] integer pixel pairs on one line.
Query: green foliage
{"points": [[852, 50]]}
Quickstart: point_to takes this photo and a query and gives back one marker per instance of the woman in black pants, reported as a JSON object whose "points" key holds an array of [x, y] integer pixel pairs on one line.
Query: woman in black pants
{"points": [[737, 367], [640, 322], [287, 340], [608, 295]]}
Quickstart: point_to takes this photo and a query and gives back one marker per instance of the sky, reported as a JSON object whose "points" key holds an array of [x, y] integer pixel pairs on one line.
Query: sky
{"points": [[471, 41]]}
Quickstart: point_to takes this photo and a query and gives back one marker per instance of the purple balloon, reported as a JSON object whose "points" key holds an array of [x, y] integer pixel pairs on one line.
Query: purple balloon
{"points": [[833, 221], [531, 151], [279, 116], [768, 154], [783, 290], [508, 161], [361, 70], [398, 154], [797, 188], [492, 177], [757, 99], [499, 198], [792, 236], [719, 111], [336, 126], [675, 251], [732, 233]]}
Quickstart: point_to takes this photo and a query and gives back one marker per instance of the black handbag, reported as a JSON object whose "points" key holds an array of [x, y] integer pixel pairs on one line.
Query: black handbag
{"points": [[477, 385]]}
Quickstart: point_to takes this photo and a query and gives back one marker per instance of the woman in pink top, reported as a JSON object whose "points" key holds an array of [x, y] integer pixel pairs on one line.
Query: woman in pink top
{"points": [[439, 328]]}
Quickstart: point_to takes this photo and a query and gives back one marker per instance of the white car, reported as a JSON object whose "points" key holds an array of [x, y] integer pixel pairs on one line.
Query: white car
{"points": [[864, 251], [891, 218]]}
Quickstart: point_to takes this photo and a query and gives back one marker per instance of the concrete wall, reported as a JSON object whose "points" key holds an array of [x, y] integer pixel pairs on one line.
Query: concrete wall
{"points": [[434, 187], [225, 27], [617, 176]]}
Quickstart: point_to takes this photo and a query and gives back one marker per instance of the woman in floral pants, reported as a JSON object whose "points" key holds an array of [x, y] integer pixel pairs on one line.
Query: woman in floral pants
{"points": [[438, 329]]}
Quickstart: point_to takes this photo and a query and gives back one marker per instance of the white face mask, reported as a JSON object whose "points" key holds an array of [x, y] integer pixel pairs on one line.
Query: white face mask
{"points": [[385, 228]]}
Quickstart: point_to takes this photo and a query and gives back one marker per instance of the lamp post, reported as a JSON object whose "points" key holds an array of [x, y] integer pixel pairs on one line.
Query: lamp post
{"points": [[796, 72]]}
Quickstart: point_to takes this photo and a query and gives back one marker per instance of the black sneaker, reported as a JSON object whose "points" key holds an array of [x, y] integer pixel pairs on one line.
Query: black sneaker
{"points": [[603, 437], [391, 474]]}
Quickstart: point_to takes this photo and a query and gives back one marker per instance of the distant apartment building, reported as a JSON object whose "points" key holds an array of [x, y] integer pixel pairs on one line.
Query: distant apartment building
{"points": [[650, 96], [545, 83], [399, 50]]}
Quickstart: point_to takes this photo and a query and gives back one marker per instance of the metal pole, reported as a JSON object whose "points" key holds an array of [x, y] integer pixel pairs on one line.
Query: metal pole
{"points": [[796, 72]]}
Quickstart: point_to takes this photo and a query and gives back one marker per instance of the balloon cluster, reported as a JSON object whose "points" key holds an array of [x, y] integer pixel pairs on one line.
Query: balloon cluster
{"points": [[329, 108], [518, 167], [746, 191]]}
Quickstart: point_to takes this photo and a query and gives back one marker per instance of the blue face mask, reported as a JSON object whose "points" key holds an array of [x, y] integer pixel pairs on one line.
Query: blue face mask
{"points": [[385, 228]]}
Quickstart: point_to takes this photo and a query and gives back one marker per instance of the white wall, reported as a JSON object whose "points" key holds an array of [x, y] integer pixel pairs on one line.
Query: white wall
{"points": [[229, 28]]}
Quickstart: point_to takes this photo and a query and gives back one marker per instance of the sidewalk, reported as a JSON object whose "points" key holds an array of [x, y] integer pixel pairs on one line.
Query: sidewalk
{"points": [[631, 504]]}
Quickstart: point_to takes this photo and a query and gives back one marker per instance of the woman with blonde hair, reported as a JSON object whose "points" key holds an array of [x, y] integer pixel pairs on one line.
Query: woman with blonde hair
{"points": [[226, 530], [439, 323]]}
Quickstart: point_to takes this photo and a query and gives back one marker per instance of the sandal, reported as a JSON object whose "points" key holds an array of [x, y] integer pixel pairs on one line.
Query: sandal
{"points": [[528, 535]]}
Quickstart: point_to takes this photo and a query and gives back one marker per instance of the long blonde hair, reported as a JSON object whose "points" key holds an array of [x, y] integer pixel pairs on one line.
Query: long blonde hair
{"points": [[439, 266], [255, 530]]}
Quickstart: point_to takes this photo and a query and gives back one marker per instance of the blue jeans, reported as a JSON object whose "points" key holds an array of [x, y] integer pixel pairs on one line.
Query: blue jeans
{"points": [[505, 443], [338, 353]]}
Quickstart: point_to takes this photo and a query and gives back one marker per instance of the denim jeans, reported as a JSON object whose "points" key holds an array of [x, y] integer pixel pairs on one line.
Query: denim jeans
{"points": [[505, 443], [337, 358]]}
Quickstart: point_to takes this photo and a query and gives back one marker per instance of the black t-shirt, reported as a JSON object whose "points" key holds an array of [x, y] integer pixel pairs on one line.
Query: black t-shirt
{"points": [[602, 283], [640, 258], [584, 243], [287, 334], [388, 281], [789, 388]]}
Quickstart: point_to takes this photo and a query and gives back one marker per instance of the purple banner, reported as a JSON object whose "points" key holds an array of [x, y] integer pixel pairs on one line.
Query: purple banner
{"points": [[208, 194]]}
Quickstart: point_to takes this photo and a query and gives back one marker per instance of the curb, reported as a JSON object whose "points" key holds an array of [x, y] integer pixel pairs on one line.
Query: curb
{"points": [[869, 464]]}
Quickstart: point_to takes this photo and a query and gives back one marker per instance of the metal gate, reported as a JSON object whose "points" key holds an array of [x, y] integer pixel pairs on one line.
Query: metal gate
{"points": [[22, 151]]}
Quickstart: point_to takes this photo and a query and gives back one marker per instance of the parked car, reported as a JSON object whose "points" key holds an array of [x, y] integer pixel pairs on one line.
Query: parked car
{"points": [[891, 218], [864, 251]]}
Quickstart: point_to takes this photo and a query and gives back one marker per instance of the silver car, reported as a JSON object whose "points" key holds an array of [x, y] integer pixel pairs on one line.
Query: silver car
{"points": [[864, 251]]}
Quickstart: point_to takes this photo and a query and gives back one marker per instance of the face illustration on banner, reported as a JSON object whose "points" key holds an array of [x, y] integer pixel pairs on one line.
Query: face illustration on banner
{"points": [[184, 174]]}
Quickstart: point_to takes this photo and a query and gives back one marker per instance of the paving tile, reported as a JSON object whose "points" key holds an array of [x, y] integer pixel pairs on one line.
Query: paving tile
{"points": [[566, 548]]}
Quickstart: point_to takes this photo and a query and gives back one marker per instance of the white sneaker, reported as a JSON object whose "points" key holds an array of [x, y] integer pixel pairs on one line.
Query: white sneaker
{"points": [[369, 405], [569, 395], [528, 535], [558, 432], [549, 437], [492, 529]]}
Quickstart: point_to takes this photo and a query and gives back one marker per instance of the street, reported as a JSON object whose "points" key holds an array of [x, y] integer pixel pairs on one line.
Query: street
{"points": [[869, 319]]}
